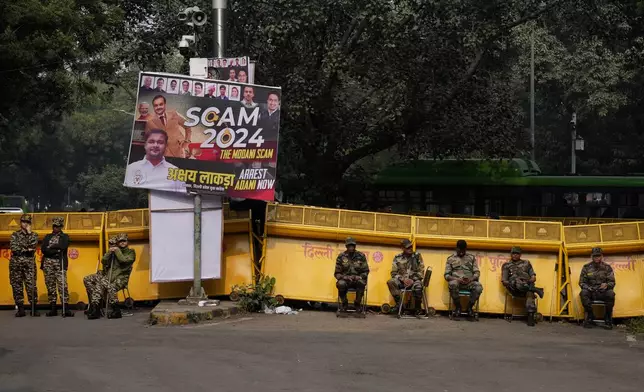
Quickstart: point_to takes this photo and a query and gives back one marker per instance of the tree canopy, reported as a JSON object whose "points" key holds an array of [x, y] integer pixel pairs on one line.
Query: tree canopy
{"points": [[361, 80]]}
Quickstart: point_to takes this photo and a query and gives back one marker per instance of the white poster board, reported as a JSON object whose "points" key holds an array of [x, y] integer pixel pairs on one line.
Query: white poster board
{"points": [[172, 239]]}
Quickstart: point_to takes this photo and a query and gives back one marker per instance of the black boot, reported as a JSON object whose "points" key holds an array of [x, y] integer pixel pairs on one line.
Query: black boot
{"points": [[67, 312], [94, 312], [588, 321], [35, 312], [456, 315], [115, 312], [608, 319], [471, 316], [53, 312], [531, 319], [21, 311], [539, 291], [418, 307]]}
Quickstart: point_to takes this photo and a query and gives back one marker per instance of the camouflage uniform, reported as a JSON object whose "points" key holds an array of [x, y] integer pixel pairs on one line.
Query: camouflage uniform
{"points": [[117, 267], [592, 276], [347, 266], [54, 265], [404, 267], [516, 277], [463, 267], [22, 266]]}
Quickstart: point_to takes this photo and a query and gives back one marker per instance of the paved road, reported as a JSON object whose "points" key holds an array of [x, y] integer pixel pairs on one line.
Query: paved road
{"points": [[313, 351]]}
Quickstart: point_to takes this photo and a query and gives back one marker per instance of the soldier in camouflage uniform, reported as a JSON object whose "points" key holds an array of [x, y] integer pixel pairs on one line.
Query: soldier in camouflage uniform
{"points": [[407, 271], [519, 277], [54, 266], [22, 266], [351, 271], [462, 273], [597, 281], [117, 266]]}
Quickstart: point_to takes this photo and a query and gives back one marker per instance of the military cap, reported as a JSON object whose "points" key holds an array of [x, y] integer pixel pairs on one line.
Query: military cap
{"points": [[25, 218], [405, 243], [58, 221], [597, 251], [121, 237], [350, 241], [461, 245], [516, 249]]}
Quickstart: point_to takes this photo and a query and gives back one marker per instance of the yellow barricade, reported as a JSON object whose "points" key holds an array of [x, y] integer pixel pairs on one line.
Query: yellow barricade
{"points": [[303, 242], [84, 230]]}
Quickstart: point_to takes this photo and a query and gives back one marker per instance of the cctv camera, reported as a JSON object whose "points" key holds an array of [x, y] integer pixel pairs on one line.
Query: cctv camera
{"points": [[199, 18], [182, 16]]}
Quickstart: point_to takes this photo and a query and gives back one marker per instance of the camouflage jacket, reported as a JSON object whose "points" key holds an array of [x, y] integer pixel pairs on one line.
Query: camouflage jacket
{"points": [[593, 275], [411, 266], [462, 267], [21, 243], [54, 246], [351, 265], [517, 270], [123, 260]]}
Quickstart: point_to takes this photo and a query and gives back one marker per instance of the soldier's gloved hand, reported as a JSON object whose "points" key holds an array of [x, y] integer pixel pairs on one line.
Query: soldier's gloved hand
{"points": [[346, 278], [603, 286], [465, 281], [408, 282]]}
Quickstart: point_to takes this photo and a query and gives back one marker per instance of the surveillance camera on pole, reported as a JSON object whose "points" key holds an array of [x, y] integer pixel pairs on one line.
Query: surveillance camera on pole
{"points": [[184, 44]]}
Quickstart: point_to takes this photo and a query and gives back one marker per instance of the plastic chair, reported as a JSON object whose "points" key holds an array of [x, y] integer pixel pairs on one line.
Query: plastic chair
{"points": [[360, 312], [406, 297], [538, 317], [464, 294]]}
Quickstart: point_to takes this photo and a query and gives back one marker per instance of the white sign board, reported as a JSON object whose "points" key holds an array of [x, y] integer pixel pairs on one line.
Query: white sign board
{"points": [[172, 237]]}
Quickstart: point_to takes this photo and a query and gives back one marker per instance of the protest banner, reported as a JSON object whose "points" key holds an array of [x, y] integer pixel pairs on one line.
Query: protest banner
{"points": [[204, 136], [230, 69]]}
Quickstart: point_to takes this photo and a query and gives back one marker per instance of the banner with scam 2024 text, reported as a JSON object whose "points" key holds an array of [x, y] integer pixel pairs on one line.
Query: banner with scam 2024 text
{"points": [[204, 136]]}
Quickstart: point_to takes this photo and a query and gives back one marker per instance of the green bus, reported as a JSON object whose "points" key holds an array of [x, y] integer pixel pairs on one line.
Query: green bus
{"points": [[513, 187]]}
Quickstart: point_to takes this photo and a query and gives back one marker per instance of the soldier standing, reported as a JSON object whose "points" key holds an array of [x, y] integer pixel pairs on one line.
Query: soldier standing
{"points": [[351, 271], [117, 266], [407, 271], [22, 266], [519, 279], [597, 281], [462, 273], [54, 266]]}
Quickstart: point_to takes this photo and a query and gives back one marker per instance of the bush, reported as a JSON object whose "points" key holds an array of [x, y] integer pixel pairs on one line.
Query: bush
{"points": [[253, 297]]}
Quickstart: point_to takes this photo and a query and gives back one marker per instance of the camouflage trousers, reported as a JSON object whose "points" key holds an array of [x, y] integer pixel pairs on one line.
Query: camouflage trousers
{"points": [[396, 285], [518, 289], [54, 279], [475, 288], [22, 276], [97, 285]]}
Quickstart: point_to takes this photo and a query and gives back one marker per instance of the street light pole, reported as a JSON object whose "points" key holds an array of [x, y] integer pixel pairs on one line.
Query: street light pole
{"points": [[532, 93], [573, 152], [219, 37], [219, 24]]}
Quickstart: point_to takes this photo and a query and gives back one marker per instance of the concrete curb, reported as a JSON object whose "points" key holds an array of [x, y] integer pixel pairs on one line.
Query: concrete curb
{"points": [[169, 313]]}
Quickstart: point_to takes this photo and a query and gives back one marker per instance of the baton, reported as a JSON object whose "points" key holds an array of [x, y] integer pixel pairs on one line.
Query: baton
{"points": [[109, 283], [62, 276]]}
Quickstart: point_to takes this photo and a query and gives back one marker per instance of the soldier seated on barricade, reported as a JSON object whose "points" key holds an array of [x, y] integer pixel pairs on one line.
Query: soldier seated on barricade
{"points": [[597, 281], [351, 272], [519, 279], [462, 273], [117, 266], [407, 272]]}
